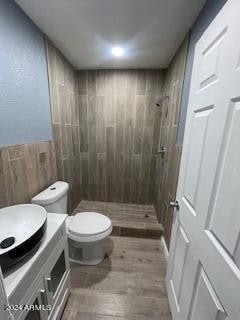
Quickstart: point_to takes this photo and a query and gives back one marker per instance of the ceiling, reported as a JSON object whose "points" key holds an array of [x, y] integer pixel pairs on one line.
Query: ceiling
{"points": [[150, 31]]}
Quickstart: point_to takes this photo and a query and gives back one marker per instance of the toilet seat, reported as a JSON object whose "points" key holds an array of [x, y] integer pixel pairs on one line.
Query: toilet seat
{"points": [[88, 227]]}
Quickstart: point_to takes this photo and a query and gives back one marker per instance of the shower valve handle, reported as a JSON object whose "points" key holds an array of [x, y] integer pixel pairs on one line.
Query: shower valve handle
{"points": [[162, 151]]}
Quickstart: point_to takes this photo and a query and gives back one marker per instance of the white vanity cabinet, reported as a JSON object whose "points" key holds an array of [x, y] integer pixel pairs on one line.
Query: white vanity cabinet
{"points": [[44, 279]]}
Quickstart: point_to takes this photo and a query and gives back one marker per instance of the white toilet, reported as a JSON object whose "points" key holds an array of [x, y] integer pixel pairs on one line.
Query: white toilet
{"points": [[86, 230]]}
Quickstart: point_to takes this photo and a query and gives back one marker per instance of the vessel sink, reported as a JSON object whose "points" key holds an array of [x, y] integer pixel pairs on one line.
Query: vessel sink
{"points": [[21, 229]]}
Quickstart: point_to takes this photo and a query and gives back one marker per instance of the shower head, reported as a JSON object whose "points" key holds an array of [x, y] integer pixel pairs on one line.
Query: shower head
{"points": [[160, 101]]}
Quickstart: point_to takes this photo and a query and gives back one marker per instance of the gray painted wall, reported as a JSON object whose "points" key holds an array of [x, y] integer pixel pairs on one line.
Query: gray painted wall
{"points": [[208, 13], [24, 95]]}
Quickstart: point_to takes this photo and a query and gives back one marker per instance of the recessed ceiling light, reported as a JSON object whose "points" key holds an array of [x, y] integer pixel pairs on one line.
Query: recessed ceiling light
{"points": [[117, 51]]}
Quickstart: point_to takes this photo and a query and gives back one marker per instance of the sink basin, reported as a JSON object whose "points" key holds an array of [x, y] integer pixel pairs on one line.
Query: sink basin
{"points": [[22, 228]]}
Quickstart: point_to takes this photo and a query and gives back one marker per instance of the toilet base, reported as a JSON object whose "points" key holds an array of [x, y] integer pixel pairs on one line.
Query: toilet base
{"points": [[86, 254]]}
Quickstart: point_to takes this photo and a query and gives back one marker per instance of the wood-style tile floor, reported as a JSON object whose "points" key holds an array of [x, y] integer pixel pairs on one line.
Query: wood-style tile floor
{"points": [[128, 285]]}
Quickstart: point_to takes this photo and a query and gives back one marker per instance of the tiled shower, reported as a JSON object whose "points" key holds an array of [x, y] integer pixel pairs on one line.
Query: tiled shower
{"points": [[108, 132]]}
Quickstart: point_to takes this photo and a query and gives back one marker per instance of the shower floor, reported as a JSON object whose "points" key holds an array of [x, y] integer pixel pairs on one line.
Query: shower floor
{"points": [[129, 220], [130, 283]]}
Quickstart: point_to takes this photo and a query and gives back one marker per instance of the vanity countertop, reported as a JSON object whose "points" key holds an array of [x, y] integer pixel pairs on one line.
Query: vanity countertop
{"points": [[23, 269]]}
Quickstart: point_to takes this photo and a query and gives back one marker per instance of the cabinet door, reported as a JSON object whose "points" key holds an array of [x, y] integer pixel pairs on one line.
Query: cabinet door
{"points": [[55, 276], [39, 306], [34, 314]]}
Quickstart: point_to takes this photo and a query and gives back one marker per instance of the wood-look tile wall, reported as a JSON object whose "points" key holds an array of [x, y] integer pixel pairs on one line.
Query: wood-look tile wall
{"points": [[25, 170], [65, 121], [107, 129], [166, 127], [117, 140]]}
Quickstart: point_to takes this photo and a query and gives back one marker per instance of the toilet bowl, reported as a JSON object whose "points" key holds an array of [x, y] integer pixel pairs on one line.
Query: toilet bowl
{"points": [[86, 231]]}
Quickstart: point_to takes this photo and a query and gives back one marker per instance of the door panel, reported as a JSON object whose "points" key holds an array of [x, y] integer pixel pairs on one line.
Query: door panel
{"points": [[226, 227], [210, 59], [205, 303], [196, 145], [181, 249], [203, 276]]}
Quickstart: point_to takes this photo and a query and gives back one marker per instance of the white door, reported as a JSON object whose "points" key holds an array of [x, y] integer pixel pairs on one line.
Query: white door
{"points": [[203, 276]]}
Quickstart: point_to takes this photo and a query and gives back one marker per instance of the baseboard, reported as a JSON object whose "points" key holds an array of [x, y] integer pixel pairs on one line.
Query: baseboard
{"points": [[165, 248]]}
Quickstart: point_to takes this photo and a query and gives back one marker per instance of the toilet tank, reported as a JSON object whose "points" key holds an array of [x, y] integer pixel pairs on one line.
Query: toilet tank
{"points": [[54, 198]]}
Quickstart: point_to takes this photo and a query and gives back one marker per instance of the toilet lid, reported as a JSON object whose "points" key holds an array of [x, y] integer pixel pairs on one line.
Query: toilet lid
{"points": [[89, 224]]}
